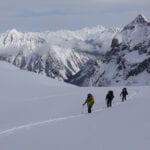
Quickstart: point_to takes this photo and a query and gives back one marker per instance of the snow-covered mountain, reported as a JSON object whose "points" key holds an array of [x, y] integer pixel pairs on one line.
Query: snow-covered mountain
{"points": [[88, 57], [127, 62], [57, 54]]}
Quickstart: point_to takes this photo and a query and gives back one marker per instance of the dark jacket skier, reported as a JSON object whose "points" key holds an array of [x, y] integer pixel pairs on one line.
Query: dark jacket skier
{"points": [[124, 93], [109, 98], [89, 101]]}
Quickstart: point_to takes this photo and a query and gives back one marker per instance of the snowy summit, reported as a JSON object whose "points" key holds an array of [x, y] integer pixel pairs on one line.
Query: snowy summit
{"points": [[122, 55]]}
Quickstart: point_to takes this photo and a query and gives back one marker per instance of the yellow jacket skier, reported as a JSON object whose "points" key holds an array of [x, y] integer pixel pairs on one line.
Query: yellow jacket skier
{"points": [[89, 101]]}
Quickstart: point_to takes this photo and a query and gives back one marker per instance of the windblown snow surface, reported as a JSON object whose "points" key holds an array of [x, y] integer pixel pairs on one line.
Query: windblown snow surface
{"points": [[39, 113]]}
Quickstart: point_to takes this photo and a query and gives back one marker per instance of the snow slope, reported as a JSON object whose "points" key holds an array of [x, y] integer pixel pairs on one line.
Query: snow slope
{"points": [[40, 113]]}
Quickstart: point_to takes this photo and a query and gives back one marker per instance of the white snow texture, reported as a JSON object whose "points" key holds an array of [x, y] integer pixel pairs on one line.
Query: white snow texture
{"points": [[37, 113]]}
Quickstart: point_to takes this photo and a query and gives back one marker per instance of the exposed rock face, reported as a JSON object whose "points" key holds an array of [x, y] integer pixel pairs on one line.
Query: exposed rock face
{"points": [[127, 62], [88, 57]]}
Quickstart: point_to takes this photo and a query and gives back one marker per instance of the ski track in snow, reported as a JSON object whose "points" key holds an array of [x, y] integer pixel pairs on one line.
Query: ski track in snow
{"points": [[46, 98], [40, 123]]}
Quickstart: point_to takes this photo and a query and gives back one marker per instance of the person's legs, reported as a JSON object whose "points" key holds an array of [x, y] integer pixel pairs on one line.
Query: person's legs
{"points": [[110, 103], [90, 108], [123, 98]]}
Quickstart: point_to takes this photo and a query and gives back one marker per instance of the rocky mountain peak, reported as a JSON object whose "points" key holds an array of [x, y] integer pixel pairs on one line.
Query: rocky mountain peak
{"points": [[88, 57], [140, 19]]}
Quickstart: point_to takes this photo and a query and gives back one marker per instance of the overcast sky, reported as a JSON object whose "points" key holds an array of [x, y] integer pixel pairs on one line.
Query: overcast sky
{"points": [[42, 15]]}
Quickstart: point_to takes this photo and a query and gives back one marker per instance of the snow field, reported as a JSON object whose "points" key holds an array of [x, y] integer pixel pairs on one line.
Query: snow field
{"points": [[40, 113]]}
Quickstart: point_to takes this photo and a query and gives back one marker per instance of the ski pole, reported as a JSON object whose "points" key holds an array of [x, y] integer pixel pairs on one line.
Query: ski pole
{"points": [[82, 109]]}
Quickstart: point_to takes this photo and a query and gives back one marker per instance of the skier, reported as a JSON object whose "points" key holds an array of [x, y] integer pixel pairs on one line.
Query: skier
{"points": [[124, 93], [109, 98], [89, 101]]}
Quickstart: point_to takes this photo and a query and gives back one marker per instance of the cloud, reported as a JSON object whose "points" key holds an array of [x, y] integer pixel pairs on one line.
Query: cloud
{"points": [[41, 13], [72, 14]]}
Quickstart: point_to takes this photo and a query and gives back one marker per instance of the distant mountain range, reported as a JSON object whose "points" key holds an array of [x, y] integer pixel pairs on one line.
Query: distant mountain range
{"points": [[88, 57]]}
